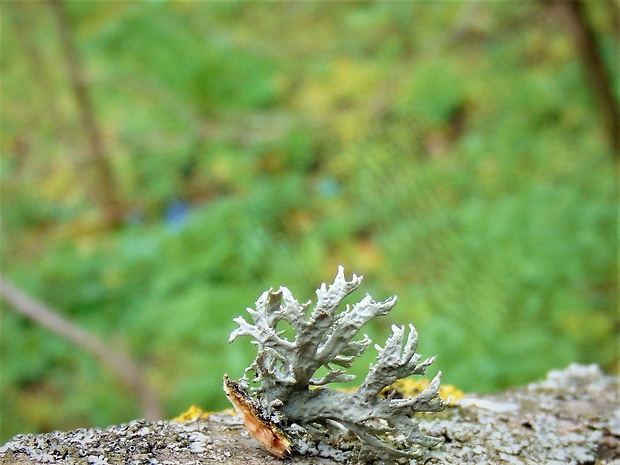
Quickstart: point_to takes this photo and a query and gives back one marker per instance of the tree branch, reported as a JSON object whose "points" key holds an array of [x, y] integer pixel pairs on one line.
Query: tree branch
{"points": [[119, 362], [584, 38], [105, 191]]}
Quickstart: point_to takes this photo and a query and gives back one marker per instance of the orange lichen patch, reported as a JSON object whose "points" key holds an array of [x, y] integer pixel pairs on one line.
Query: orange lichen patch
{"points": [[410, 388], [268, 434], [192, 413]]}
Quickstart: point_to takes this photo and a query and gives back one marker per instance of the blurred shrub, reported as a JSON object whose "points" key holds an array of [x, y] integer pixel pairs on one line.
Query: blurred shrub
{"points": [[468, 176]]}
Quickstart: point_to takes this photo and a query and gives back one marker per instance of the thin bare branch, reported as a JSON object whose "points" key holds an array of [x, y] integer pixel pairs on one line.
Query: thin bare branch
{"points": [[574, 15], [119, 362], [104, 188]]}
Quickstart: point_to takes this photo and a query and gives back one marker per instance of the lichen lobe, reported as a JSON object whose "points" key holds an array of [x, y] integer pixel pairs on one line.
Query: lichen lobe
{"points": [[291, 410]]}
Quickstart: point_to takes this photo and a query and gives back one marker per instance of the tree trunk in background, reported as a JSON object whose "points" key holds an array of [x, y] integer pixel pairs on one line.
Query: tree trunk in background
{"points": [[23, 23], [576, 19], [104, 190]]}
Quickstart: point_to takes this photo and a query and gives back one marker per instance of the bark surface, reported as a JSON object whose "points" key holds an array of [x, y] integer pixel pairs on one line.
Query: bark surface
{"points": [[571, 417]]}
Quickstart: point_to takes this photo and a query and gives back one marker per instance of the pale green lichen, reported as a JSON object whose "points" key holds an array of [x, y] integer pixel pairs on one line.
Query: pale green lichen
{"points": [[289, 400]]}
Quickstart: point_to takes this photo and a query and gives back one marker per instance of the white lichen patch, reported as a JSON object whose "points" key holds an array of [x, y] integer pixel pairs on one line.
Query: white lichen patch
{"points": [[287, 390], [571, 417], [493, 406], [135, 443], [571, 421]]}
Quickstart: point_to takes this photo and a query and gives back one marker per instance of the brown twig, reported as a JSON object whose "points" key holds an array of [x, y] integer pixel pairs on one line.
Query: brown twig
{"points": [[104, 188], [119, 362], [584, 38]]}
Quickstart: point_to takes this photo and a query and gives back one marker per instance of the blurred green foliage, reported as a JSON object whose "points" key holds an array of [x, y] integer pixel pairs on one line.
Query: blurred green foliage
{"points": [[451, 153]]}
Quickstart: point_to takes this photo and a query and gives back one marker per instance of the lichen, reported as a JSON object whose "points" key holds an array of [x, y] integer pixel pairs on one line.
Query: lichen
{"points": [[410, 388], [291, 410], [572, 417], [192, 413]]}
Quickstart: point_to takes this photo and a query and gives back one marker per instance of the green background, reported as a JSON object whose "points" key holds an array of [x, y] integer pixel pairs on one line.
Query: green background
{"points": [[450, 152]]}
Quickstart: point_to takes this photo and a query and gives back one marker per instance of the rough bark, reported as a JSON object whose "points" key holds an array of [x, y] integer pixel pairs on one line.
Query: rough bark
{"points": [[571, 417]]}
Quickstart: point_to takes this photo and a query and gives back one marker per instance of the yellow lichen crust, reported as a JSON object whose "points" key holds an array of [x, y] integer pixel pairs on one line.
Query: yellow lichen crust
{"points": [[451, 394], [410, 388], [192, 413]]}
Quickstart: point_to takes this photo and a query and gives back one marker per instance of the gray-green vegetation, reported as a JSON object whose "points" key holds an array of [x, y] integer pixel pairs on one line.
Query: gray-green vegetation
{"points": [[285, 370], [451, 152]]}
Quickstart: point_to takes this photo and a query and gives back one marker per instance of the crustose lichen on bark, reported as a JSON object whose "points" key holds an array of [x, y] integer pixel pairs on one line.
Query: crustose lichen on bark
{"points": [[291, 410]]}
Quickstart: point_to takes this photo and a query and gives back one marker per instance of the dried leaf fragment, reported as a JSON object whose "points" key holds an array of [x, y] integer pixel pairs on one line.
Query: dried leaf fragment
{"points": [[268, 434]]}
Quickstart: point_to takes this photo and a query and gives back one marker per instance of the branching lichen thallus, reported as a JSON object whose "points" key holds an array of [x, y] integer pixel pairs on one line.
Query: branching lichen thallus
{"points": [[292, 411]]}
